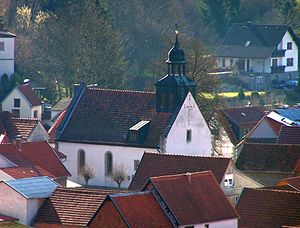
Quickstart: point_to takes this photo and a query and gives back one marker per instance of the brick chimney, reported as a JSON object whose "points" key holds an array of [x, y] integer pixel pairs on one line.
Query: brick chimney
{"points": [[19, 142]]}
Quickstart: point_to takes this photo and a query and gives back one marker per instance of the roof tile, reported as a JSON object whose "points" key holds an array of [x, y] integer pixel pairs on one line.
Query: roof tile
{"points": [[29, 94]]}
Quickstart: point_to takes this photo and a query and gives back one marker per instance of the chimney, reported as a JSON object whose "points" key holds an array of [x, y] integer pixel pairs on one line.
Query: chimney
{"points": [[19, 142], [189, 177]]}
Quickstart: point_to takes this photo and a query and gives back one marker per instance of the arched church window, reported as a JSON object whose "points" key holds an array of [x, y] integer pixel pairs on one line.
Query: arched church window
{"points": [[108, 163], [81, 160]]}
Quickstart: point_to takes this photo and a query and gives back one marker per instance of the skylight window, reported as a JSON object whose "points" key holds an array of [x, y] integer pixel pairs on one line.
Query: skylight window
{"points": [[247, 43]]}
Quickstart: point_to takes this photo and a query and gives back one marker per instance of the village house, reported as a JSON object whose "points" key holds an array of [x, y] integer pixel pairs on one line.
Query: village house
{"points": [[268, 208], [259, 54], [231, 180], [72, 207], [32, 159], [28, 130], [103, 128], [59, 107], [236, 123], [269, 163], [183, 200], [23, 102], [22, 198], [7, 52]]}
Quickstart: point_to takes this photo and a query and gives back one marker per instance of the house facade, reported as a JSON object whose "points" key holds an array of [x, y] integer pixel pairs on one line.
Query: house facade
{"points": [[7, 53], [23, 102], [260, 54], [104, 129]]}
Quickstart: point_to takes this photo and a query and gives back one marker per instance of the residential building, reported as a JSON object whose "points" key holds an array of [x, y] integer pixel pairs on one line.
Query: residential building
{"points": [[22, 198], [23, 102], [29, 130], [105, 128], [59, 107], [269, 163], [72, 207], [7, 53], [32, 159], [183, 200], [231, 180], [268, 208], [260, 54]]}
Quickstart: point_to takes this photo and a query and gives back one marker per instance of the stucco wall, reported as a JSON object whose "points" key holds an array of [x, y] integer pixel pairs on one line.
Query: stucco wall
{"points": [[95, 155], [39, 111], [7, 56], [4, 162], [38, 134], [230, 223], [189, 118], [263, 130], [293, 53]]}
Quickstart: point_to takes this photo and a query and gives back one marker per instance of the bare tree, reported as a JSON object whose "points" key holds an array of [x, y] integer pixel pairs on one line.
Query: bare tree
{"points": [[87, 173], [119, 174]]}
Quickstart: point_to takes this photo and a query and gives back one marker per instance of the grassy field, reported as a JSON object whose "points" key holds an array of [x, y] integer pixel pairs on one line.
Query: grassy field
{"points": [[232, 94]]}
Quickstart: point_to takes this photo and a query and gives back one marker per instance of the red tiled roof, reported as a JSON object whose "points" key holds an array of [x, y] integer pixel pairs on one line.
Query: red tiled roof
{"points": [[35, 154], [156, 164], [244, 115], [52, 130], [71, 206], [105, 116], [268, 157], [29, 94], [141, 210], [25, 172], [294, 182], [289, 135], [194, 198], [268, 208]]}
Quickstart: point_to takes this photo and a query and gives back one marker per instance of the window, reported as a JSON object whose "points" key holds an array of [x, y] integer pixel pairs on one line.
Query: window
{"points": [[189, 135], [136, 164], [2, 48], [247, 43], [35, 114], [206, 226], [289, 46], [108, 163], [231, 62], [274, 62], [17, 103], [223, 62], [81, 160], [289, 62], [16, 113], [259, 80], [228, 181]]}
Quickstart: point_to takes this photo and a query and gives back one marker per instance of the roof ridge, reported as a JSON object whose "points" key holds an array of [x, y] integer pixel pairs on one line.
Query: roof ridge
{"points": [[273, 144], [130, 194], [23, 118], [79, 190], [120, 90], [182, 174], [274, 190], [184, 155]]}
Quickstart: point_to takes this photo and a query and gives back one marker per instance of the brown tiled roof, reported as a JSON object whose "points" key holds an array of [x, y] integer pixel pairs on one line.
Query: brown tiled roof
{"points": [[27, 91], [293, 182], [141, 210], [156, 164], [71, 206], [25, 172], [268, 157], [105, 116], [53, 128], [268, 208], [35, 154], [194, 198], [244, 115], [289, 135]]}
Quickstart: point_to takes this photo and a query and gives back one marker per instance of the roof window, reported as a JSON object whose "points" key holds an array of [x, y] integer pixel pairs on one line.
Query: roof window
{"points": [[247, 43]]}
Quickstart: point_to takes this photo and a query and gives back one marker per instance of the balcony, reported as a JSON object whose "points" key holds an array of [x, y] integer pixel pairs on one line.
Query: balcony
{"points": [[277, 69], [278, 53]]}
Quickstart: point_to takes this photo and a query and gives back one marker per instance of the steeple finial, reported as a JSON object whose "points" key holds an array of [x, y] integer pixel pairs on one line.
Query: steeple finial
{"points": [[176, 32]]}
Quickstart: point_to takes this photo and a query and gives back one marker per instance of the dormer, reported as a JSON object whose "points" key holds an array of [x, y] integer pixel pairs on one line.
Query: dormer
{"points": [[138, 132]]}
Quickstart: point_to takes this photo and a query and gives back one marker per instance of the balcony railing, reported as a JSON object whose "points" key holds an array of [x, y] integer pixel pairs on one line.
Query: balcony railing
{"points": [[278, 53], [277, 69]]}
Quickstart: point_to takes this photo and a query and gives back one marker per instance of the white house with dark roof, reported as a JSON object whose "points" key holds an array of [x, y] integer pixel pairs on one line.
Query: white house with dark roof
{"points": [[104, 129], [23, 102], [7, 53], [260, 54]]}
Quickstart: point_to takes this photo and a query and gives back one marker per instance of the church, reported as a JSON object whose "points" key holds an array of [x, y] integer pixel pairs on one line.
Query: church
{"points": [[105, 130]]}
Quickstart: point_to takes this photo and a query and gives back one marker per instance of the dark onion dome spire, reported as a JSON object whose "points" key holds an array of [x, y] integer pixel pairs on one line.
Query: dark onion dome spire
{"points": [[176, 54]]}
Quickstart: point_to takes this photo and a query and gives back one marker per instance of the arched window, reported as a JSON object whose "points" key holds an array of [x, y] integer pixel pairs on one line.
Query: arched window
{"points": [[81, 160], [108, 163]]}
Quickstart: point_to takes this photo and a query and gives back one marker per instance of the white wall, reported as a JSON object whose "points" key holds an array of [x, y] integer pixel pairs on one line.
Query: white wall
{"points": [[38, 134], [7, 56], [38, 109], [289, 53], [263, 130], [95, 155], [189, 117], [229, 223]]}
